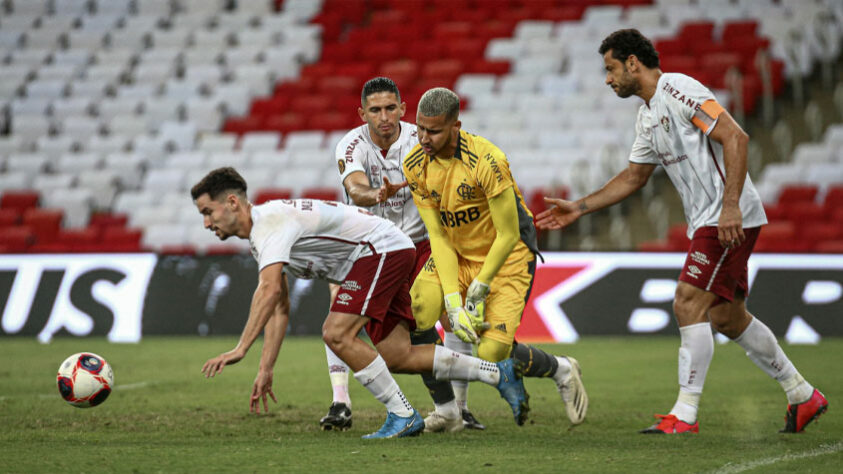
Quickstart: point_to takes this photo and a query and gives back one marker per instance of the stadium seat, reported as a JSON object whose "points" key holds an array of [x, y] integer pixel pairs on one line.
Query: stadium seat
{"points": [[45, 223], [269, 194], [19, 200], [16, 239], [797, 193]]}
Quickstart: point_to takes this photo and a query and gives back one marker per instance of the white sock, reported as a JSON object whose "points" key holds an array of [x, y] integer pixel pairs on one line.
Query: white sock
{"points": [[338, 371], [761, 347], [460, 386], [563, 371], [449, 410], [695, 353], [450, 365], [377, 380]]}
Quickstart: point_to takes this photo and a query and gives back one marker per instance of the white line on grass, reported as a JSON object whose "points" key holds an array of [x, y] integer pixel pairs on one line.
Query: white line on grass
{"points": [[822, 450]]}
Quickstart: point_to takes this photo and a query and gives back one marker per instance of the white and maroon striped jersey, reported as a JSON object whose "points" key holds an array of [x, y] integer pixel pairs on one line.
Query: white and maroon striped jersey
{"points": [[673, 131], [357, 152], [319, 239]]}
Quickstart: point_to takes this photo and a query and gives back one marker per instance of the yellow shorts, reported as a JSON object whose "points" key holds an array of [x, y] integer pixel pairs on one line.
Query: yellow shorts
{"points": [[507, 297]]}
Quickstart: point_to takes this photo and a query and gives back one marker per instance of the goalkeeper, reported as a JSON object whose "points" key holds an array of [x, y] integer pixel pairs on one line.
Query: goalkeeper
{"points": [[483, 242]]}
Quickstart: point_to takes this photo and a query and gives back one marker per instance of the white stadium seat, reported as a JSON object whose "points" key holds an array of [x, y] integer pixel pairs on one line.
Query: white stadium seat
{"points": [[257, 141]]}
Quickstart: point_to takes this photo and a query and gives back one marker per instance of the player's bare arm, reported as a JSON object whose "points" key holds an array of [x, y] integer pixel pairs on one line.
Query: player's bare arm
{"points": [[273, 335], [563, 212], [735, 141], [267, 296], [363, 195]]}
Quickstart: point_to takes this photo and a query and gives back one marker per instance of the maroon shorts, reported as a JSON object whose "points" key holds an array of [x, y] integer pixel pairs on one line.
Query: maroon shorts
{"points": [[378, 287], [711, 267], [422, 256]]}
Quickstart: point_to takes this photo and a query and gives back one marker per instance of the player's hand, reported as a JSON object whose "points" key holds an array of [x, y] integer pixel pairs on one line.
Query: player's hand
{"points": [[560, 215], [475, 305], [214, 366], [387, 190], [459, 318], [261, 388], [730, 226]]}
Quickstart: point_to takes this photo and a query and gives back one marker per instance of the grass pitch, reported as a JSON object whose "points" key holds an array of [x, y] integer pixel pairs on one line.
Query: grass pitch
{"points": [[165, 417]]}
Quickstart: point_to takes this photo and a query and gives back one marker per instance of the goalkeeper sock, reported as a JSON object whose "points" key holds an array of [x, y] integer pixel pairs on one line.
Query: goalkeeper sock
{"points": [[534, 362], [377, 380], [460, 386], [440, 390], [338, 372], [450, 365]]}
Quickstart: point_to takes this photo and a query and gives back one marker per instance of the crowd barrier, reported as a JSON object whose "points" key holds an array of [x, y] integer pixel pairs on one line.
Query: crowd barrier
{"points": [[128, 296]]}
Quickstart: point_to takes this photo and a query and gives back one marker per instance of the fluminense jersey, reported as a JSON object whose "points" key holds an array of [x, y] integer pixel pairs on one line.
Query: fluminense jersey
{"points": [[460, 187], [357, 152], [319, 239], [673, 132]]}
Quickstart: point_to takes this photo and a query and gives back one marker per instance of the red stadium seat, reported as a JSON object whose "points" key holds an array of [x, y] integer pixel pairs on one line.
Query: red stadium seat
{"points": [[17, 239], [338, 85], [830, 246], [446, 70], [284, 123], [338, 52], [655, 246], [103, 220], [672, 47], [20, 200], [362, 70], [803, 212], [330, 121], [452, 31], [423, 50], [677, 237], [380, 18], [241, 125], [269, 105], [80, 240], [482, 66], [120, 239], [738, 29], [324, 194], [177, 250], [9, 217], [833, 198], [311, 104], [798, 193], [44, 222], [695, 32], [563, 13], [271, 194], [822, 231], [467, 48]]}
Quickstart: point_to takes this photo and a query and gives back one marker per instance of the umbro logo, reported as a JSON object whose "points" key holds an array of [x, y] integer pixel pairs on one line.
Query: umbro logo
{"points": [[693, 271], [700, 258]]}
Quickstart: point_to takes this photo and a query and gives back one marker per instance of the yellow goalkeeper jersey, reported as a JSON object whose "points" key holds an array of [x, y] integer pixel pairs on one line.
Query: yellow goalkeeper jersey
{"points": [[460, 187]]}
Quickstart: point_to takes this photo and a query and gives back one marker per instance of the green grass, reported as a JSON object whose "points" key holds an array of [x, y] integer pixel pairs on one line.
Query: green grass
{"points": [[168, 418]]}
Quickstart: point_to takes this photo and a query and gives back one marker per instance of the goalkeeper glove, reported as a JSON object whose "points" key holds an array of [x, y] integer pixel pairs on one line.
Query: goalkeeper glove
{"points": [[475, 304], [460, 319]]}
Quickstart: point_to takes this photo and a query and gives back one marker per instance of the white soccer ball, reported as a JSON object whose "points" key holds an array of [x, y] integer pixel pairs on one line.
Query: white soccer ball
{"points": [[85, 379]]}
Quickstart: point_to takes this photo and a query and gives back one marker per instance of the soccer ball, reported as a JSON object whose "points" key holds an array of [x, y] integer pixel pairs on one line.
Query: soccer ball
{"points": [[85, 379]]}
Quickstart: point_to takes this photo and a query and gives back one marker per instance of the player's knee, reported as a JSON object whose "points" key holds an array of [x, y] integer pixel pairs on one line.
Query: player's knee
{"points": [[493, 351], [332, 335], [685, 304], [426, 305]]}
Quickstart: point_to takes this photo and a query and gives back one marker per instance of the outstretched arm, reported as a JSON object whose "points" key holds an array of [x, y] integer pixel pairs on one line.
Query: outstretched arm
{"points": [[268, 295], [273, 335], [735, 141], [361, 194], [616, 190]]}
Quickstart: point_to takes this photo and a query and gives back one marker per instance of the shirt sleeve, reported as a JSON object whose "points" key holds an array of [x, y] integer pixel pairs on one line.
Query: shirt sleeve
{"points": [[414, 174], [273, 245], [350, 156], [492, 172], [642, 148], [695, 103]]}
